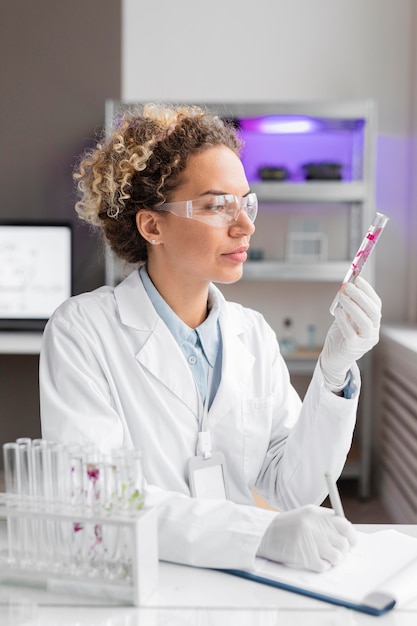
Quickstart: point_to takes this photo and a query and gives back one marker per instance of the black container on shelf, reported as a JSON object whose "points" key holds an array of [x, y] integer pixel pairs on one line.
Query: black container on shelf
{"points": [[269, 172], [322, 171]]}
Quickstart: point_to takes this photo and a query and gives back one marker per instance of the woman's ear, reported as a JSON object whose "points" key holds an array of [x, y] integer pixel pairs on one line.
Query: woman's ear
{"points": [[147, 225]]}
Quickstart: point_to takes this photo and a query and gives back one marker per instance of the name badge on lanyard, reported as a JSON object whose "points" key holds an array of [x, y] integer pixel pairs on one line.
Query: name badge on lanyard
{"points": [[207, 471], [208, 477]]}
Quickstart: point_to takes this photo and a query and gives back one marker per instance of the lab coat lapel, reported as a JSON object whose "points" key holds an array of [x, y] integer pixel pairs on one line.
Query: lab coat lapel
{"points": [[156, 350], [162, 356], [238, 362]]}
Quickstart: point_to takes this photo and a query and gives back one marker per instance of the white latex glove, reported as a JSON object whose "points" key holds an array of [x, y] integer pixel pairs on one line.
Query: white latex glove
{"points": [[353, 333], [311, 537]]}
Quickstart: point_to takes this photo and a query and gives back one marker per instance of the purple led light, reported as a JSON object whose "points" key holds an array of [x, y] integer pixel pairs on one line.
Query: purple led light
{"points": [[279, 124]]}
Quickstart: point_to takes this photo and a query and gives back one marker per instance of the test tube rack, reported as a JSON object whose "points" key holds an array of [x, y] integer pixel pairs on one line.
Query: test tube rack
{"points": [[124, 568]]}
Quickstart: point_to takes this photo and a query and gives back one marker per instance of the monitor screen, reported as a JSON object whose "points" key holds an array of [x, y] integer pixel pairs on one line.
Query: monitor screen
{"points": [[35, 272]]}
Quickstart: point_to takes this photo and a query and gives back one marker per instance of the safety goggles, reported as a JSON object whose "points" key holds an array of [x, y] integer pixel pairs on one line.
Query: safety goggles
{"points": [[214, 210]]}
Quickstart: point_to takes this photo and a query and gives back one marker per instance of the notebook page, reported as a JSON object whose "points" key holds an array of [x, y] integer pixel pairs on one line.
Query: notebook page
{"points": [[371, 565]]}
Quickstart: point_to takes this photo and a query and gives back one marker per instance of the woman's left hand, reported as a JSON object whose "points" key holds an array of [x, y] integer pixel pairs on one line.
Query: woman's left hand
{"points": [[353, 333]]}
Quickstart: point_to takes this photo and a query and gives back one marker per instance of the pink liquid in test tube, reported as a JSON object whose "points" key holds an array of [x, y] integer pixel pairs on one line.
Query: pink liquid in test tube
{"points": [[364, 252]]}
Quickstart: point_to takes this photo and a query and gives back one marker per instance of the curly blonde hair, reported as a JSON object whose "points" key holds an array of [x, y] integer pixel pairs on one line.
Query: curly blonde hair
{"points": [[139, 165]]}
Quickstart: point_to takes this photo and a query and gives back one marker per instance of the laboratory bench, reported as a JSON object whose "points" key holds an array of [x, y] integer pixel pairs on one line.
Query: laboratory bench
{"points": [[194, 596]]}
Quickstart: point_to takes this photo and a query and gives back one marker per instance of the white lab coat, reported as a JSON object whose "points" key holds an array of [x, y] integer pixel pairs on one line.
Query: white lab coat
{"points": [[112, 373]]}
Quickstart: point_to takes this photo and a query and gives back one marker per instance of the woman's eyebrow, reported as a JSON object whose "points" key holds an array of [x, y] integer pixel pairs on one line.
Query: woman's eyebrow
{"points": [[218, 192], [213, 192]]}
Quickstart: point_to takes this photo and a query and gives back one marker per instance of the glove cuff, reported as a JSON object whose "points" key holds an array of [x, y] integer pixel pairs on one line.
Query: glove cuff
{"points": [[335, 388], [264, 549], [335, 382]]}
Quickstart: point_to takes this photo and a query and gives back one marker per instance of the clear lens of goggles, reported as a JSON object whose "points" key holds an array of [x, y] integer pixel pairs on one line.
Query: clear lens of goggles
{"points": [[215, 210]]}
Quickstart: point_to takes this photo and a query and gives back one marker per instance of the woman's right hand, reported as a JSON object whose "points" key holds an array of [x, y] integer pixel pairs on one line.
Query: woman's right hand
{"points": [[310, 537]]}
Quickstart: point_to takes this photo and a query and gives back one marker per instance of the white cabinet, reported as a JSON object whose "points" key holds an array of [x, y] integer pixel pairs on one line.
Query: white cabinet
{"points": [[396, 431], [324, 152]]}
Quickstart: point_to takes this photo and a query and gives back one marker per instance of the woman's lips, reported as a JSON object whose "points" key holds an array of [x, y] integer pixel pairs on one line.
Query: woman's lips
{"points": [[239, 255]]}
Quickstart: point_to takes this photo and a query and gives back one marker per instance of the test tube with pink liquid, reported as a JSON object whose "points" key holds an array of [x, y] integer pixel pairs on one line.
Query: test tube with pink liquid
{"points": [[365, 249]]}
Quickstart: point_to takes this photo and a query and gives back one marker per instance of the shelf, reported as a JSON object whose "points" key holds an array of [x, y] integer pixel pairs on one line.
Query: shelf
{"points": [[312, 191], [343, 110], [302, 361], [18, 342], [280, 270]]}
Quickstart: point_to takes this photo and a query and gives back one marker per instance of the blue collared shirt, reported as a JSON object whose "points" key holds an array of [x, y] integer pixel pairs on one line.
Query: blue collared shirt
{"points": [[350, 388], [201, 346]]}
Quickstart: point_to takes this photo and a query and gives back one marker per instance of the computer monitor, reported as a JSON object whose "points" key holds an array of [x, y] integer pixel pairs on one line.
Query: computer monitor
{"points": [[35, 272]]}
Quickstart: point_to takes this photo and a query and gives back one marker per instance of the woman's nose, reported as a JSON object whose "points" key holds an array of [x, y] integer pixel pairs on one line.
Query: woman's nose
{"points": [[243, 224]]}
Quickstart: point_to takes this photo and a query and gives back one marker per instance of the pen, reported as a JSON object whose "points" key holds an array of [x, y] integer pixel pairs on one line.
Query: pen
{"points": [[334, 496]]}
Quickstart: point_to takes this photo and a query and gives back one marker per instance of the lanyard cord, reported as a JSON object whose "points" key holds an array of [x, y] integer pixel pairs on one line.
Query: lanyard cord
{"points": [[204, 437]]}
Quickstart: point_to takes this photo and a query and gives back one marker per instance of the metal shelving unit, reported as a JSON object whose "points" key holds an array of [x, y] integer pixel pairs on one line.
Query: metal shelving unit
{"points": [[353, 195]]}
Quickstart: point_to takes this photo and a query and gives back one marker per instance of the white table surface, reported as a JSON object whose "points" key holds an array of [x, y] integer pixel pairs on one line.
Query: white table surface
{"points": [[195, 597]]}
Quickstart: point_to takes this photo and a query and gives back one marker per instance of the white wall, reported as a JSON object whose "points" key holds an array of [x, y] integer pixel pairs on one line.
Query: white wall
{"points": [[231, 50], [53, 81]]}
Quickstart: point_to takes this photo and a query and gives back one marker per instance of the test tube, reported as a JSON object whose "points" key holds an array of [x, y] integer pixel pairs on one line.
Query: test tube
{"points": [[124, 497], [44, 545], [75, 468], [25, 489], [93, 476], [39, 471], [129, 480], [95, 497], [368, 244], [135, 480], [61, 495], [76, 505], [24, 441], [61, 476], [11, 469], [11, 473]]}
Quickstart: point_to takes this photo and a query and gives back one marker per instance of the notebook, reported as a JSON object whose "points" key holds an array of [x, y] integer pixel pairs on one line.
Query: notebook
{"points": [[379, 574], [35, 272]]}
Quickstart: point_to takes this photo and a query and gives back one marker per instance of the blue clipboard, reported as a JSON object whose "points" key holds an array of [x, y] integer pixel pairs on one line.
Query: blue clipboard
{"points": [[378, 603]]}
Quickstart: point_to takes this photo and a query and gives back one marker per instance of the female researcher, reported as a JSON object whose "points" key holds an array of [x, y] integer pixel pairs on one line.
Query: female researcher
{"points": [[163, 363]]}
